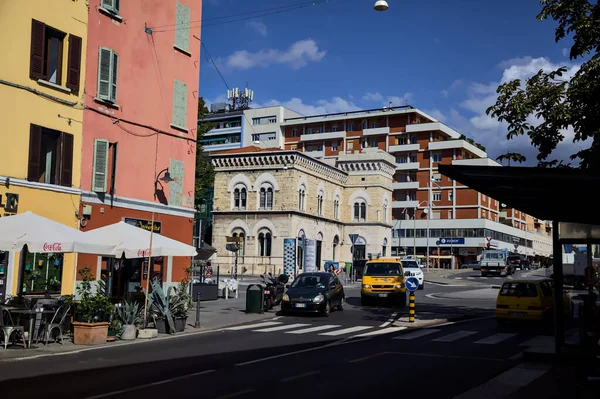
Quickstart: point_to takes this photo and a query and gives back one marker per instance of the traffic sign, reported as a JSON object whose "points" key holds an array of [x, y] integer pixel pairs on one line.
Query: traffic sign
{"points": [[412, 284], [235, 239], [450, 241], [353, 238]]}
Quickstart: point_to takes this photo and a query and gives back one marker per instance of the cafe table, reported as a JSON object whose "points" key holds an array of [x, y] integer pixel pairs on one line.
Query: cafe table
{"points": [[31, 315]]}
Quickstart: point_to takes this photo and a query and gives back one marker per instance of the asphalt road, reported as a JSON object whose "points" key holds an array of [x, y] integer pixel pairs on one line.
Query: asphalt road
{"points": [[354, 353]]}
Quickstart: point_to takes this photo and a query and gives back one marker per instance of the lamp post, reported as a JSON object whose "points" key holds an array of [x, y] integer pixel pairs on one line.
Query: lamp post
{"points": [[157, 182], [415, 230]]}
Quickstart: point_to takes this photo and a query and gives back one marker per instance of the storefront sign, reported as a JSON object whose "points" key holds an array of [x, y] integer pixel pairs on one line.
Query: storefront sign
{"points": [[452, 241], [310, 255], [10, 202], [144, 224], [289, 257], [51, 246]]}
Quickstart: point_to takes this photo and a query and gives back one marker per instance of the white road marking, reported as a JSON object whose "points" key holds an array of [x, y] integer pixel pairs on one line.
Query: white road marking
{"points": [[388, 330], [458, 278], [258, 325], [297, 377], [516, 356], [346, 331], [454, 336], [281, 328], [508, 382], [496, 338], [470, 278], [417, 334], [540, 340], [313, 329], [152, 384], [390, 320], [236, 394]]}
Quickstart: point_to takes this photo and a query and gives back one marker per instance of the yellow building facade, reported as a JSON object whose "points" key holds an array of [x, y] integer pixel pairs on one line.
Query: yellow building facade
{"points": [[41, 114]]}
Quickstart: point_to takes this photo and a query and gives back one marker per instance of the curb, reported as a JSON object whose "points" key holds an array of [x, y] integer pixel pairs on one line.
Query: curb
{"points": [[127, 343]]}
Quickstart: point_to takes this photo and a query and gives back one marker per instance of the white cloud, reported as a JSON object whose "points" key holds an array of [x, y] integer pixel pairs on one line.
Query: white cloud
{"points": [[437, 114], [335, 105], [566, 52], [258, 27], [296, 56], [444, 93], [492, 134], [386, 100]]}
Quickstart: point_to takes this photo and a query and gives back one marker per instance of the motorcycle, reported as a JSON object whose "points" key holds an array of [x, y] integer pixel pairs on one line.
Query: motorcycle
{"points": [[273, 290]]}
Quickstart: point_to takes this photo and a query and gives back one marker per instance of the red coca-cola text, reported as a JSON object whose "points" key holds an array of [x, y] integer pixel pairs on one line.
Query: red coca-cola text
{"points": [[52, 247]]}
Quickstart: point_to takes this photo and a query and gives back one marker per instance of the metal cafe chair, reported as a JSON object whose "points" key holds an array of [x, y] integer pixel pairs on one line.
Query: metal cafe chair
{"points": [[8, 327]]}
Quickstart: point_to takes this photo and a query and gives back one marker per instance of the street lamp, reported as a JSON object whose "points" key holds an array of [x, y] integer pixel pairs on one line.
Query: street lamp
{"points": [[157, 182], [415, 230], [381, 5]]}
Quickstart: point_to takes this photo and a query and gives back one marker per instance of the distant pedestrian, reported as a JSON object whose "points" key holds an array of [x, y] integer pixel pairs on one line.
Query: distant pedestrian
{"points": [[331, 269]]}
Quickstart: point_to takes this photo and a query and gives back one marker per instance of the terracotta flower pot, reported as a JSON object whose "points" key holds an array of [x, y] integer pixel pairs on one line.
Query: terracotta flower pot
{"points": [[89, 333]]}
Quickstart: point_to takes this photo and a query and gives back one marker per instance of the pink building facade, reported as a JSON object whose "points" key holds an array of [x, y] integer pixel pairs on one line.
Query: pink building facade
{"points": [[140, 119]]}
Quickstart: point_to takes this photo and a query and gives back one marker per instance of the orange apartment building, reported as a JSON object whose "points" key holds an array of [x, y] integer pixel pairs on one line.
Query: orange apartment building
{"points": [[432, 213]]}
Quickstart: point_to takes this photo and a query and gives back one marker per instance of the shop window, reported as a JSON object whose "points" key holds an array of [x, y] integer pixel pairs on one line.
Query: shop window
{"points": [[50, 156], [40, 273]]}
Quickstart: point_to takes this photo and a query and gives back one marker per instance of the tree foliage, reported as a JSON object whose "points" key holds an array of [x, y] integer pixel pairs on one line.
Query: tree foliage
{"points": [[547, 104], [511, 156], [205, 173]]}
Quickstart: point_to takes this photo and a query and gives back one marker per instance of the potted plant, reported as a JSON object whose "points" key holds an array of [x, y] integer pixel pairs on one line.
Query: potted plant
{"points": [[162, 307], [182, 301], [130, 314], [93, 311]]}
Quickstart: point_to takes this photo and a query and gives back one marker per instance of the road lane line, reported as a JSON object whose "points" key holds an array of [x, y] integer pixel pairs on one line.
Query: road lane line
{"points": [[281, 328], [454, 336], [470, 278], [236, 394], [496, 338], [508, 382], [297, 377], [313, 329], [517, 356], [249, 326], [360, 359], [390, 320], [388, 330], [152, 384], [540, 340], [417, 334], [447, 356], [346, 331]]}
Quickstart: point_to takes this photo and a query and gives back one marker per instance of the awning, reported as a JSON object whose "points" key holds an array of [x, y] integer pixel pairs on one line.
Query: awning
{"points": [[134, 242], [205, 252], [45, 235], [564, 195]]}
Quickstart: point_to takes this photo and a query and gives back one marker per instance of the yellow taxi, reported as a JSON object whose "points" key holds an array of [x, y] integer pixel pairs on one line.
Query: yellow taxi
{"points": [[527, 299], [383, 279]]}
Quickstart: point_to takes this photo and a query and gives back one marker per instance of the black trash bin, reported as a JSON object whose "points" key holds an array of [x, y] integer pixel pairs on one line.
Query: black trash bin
{"points": [[254, 298]]}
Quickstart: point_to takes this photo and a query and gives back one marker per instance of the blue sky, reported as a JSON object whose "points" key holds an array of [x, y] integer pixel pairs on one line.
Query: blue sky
{"points": [[443, 57]]}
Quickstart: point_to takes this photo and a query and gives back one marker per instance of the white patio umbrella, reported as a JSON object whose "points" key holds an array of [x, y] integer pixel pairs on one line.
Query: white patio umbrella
{"points": [[45, 235], [134, 242]]}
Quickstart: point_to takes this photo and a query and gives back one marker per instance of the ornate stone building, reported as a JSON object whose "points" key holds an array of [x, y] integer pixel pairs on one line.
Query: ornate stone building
{"points": [[266, 195]]}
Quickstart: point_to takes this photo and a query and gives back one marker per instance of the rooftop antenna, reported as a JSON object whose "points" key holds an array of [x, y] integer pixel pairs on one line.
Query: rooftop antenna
{"points": [[240, 99]]}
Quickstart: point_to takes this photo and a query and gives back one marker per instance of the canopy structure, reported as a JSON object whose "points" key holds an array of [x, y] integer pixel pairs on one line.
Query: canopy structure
{"points": [[205, 252], [44, 235], [564, 195], [133, 242]]}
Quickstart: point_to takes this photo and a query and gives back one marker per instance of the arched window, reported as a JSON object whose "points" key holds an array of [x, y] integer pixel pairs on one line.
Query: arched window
{"points": [[320, 203], [385, 208], [301, 197], [264, 243], [336, 208], [300, 251], [360, 211], [384, 247], [240, 233], [240, 196], [336, 242], [266, 198]]}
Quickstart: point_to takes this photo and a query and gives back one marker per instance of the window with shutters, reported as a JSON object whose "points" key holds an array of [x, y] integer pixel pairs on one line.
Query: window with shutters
{"points": [[46, 63], [182, 31], [100, 166], [107, 75], [112, 6], [50, 156], [179, 105]]}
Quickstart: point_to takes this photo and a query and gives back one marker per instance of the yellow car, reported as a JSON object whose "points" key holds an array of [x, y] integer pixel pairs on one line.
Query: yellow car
{"points": [[527, 299], [383, 279]]}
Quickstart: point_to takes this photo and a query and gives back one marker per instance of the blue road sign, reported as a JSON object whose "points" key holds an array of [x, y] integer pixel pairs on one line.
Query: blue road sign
{"points": [[412, 284]]}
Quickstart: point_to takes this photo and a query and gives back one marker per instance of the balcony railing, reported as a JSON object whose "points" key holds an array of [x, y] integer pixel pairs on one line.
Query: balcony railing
{"points": [[403, 147], [376, 131], [405, 204], [323, 136], [407, 185], [407, 166]]}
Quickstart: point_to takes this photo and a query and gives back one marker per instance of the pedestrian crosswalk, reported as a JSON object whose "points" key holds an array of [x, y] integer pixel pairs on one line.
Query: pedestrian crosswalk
{"points": [[437, 336]]}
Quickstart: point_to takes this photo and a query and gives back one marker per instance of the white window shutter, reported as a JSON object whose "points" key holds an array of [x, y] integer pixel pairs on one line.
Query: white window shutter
{"points": [[179, 104], [182, 31], [100, 166], [104, 73]]}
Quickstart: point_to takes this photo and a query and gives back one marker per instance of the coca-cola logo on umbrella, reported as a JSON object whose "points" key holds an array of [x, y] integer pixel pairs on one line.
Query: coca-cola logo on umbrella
{"points": [[52, 247], [142, 253]]}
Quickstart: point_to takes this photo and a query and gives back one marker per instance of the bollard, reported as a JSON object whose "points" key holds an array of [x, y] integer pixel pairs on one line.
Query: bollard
{"points": [[197, 324], [411, 307]]}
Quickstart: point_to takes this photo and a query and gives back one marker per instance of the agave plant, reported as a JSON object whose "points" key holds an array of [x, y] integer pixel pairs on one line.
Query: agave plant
{"points": [[162, 305], [130, 313]]}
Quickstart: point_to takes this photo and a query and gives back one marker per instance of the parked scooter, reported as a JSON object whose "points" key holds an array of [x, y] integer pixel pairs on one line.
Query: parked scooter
{"points": [[274, 288]]}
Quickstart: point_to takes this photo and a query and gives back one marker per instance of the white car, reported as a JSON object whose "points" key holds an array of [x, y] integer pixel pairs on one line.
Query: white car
{"points": [[412, 266]]}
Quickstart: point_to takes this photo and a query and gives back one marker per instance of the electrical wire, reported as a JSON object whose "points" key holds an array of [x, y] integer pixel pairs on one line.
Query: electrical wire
{"points": [[278, 10]]}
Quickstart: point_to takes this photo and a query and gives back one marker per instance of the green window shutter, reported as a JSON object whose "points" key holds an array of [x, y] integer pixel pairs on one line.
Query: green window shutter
{"points": [[182, 31], [100, 166], [107, 74], [179, 104]]}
